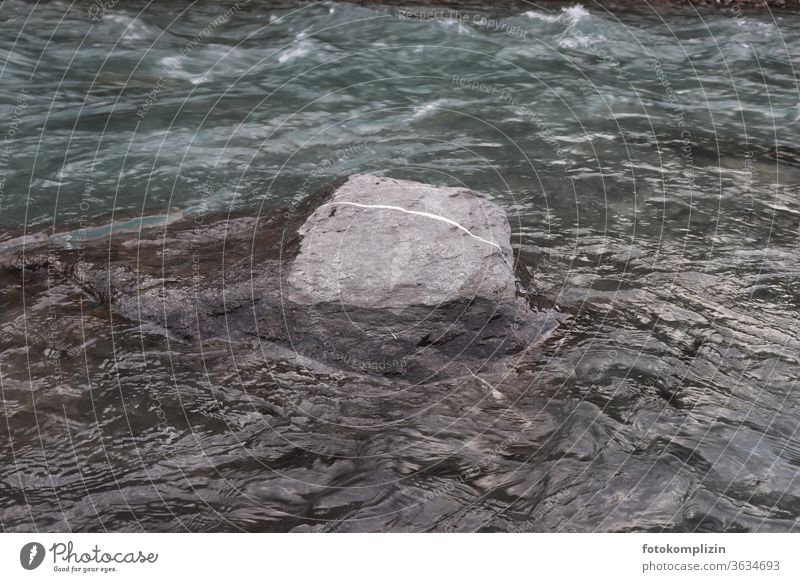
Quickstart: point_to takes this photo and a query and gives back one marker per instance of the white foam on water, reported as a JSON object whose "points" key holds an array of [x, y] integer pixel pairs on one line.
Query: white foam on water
{"points": [[172, 68], [571, 15], [293, 54], [300, 49], [543, 16], [576, 13], [172, 62], [427, 108], [135, 29], [459, 26], [581, 41]]}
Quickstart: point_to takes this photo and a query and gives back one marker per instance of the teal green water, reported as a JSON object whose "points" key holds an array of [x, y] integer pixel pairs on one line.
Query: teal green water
{"points": [[649, 162], [146, 111]]}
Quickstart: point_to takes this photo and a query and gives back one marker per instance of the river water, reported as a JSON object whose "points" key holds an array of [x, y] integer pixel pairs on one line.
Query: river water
{"points": [[646, 161]]}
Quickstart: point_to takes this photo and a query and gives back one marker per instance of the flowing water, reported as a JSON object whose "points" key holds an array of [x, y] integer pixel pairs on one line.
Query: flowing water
{"points": [[647, 163]]}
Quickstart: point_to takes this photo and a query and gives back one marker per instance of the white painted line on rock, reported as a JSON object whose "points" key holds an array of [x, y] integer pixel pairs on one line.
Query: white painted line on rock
{"points": [[424, 214]]}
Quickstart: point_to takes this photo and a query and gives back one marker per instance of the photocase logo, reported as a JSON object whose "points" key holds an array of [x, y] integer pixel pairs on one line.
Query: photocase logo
{"points": [[31, 555]]}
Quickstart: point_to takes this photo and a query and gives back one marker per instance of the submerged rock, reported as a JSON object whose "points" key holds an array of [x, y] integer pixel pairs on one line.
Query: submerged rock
{"points": [[414, 279], [376, 275]]}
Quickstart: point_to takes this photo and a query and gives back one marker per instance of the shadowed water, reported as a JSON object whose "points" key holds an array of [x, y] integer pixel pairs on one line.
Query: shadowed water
{"points": [[647, 164]]}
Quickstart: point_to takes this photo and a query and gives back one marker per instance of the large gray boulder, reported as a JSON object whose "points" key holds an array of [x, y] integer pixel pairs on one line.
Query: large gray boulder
{"points": [[384, 243], [410, 280]]}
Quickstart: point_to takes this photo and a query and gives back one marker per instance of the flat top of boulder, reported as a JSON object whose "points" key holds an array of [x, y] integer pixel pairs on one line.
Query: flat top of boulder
{"points": [[385, 243]]}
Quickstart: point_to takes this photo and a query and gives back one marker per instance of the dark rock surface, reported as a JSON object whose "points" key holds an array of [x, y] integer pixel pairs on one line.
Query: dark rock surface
{"points": [[374, 275]]}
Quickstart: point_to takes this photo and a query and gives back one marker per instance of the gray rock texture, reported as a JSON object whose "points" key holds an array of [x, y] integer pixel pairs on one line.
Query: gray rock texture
{"points": [[413, 279], [384, 243]]}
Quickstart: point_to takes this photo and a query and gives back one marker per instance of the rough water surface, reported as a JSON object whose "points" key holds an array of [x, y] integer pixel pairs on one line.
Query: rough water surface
{"points": [[648, 164]]}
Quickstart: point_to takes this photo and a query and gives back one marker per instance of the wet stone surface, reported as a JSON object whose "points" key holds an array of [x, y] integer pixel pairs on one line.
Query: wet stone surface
{"points": [[381, 276]]}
